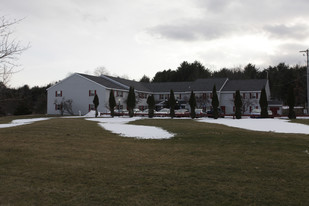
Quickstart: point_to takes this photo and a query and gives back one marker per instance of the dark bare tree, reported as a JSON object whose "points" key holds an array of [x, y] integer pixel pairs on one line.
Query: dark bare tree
{"points": [[65, 106], [10, 50], [101, 71]]}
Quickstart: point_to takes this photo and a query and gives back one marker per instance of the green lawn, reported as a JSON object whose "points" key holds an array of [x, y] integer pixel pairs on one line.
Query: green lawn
{"points": [[76, 162]]}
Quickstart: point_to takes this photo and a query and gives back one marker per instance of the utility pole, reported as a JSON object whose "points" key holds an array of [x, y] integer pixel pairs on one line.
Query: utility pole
{"points": [[307, 55]]}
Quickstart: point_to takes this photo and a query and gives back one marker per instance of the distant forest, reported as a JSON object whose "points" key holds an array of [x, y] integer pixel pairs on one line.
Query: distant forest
{"points": [[280, 77], [25, 100]]}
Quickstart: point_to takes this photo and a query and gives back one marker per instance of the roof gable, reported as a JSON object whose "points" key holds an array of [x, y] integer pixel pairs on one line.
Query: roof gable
{"points": [[245, 85], [102, 81], [208, 84], [168, 86], [139, 86]]}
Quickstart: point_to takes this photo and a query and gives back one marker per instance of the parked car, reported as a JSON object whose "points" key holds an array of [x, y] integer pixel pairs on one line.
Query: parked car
{"points": [[124, 111], [137, 111], [120, 112], [220, 113], [163, 111], [181, 111], [256, 113], [199, 111], [146, 111]]}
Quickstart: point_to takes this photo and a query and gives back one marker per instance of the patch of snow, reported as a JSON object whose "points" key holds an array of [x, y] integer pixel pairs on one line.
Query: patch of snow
{"points": [[137, 131], [90, 114], [19, 122], [117, 120], [304, 117], [118, 125], [264, 125]]}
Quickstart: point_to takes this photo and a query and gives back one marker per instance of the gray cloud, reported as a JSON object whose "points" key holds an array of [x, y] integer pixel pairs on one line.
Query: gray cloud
{"points": [[288, 53], [279, 19], [193, 30], [215, 6], [299, 31]]}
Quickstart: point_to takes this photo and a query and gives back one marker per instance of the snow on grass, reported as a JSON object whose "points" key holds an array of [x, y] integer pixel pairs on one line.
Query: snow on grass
{"points": [[264, 125], [119, 126], [19, 122]]}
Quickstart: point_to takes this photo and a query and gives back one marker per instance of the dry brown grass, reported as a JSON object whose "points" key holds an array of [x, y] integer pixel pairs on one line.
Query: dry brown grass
{"points": [[76, 162]]}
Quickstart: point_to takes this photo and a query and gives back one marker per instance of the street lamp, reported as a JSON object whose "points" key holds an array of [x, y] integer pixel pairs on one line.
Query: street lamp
{"points": [[307, 55]]}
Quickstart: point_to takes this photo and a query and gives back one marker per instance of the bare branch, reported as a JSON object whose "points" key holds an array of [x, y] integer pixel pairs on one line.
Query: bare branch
{"points": [[10, 50]]}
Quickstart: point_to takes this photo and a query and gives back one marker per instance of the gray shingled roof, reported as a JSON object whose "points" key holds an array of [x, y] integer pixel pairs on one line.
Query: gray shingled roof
{"points": [[139, 86], [245, 85], [208, 84], [198, 85], [167, 86], [102, 81]]}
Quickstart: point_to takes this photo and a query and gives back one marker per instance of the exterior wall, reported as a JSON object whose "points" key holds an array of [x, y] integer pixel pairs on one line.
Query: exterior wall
{"points": [[76, 88], [141, 100], [226, 100], [179, 96], [120, 98], [250, 100]]}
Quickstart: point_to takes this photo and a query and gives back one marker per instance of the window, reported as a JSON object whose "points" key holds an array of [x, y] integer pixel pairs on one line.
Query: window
{"points": [[161, 96], [58, 106], [119, 94], [254, 95], [204, 95], [58, 94], [92, 92], [244, 95], [142, 95]]}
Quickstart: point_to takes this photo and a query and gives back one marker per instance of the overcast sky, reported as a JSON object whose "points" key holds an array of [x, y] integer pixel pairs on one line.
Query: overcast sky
{"points": [[140, 37]]}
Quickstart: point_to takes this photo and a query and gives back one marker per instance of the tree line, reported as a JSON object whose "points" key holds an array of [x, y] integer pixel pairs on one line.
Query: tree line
{"points": [[23, 100], [281, 77]]}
